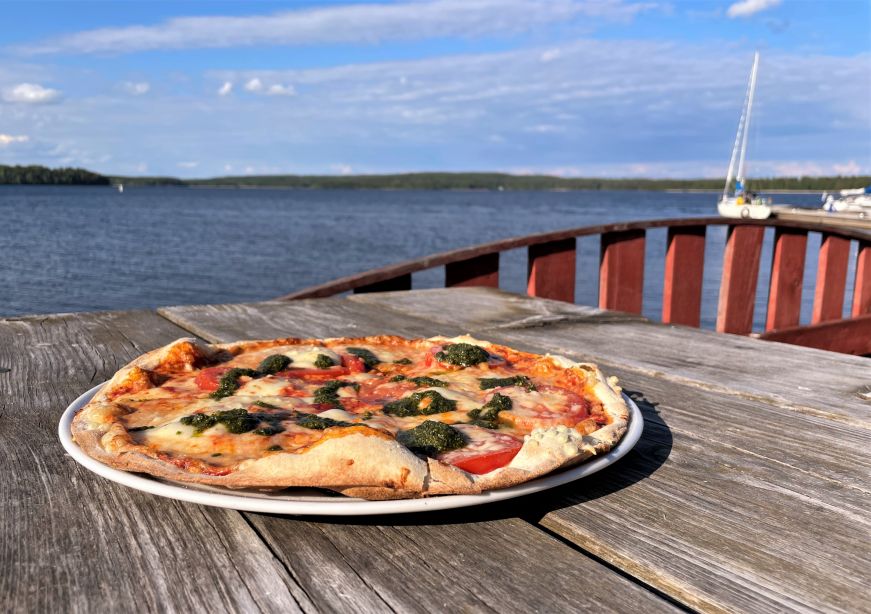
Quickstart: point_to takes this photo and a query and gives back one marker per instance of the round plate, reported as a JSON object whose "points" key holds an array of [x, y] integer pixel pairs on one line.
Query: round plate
{"points": [[315, 502]]}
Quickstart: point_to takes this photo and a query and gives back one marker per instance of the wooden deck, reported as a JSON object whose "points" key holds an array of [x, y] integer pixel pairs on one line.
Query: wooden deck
{"points": [[749, 490]]}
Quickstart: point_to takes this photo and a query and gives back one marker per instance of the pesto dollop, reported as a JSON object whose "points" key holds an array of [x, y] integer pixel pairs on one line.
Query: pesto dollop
{"points": [[402, 361], [463, 354], [428, 381], [234, 420], [238, 421], [229, 382], [488, 415], [497, 382], [328, 394], [369, 359], [313, 421], [273, 364], [324, 362], [423, 403], [430, 438]]}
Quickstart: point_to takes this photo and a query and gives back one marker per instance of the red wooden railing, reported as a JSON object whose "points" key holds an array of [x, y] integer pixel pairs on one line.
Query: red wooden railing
{"points": [[552, 261]]}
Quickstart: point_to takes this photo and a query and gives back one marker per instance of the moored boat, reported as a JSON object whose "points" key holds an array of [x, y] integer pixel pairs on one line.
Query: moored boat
{"points": [[741, 202]]}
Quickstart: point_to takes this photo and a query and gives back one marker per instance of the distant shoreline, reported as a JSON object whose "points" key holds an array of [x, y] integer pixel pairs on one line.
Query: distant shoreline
{"points": [[40, 175]]}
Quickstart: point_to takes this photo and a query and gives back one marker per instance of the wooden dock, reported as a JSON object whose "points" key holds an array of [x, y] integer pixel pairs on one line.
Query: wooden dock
{"points": [[747, 492], [818, 216]]}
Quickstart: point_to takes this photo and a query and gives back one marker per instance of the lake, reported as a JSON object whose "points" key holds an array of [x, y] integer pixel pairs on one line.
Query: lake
{"points": [[82, 249]]}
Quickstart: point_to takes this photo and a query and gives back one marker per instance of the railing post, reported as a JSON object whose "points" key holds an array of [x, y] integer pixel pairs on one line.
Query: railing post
{"points": [[787, 275], [684, 273], [478, 271], [738, 284], [403, 282], [621, 271], [831, 279], [862, 287], [550, 271]]}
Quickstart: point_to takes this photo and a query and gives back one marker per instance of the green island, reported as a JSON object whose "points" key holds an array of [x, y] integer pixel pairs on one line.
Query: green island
{"points": [[40, 175]]}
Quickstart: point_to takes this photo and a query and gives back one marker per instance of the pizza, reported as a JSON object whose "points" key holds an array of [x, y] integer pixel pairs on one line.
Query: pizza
{"points": [[379, 417]]}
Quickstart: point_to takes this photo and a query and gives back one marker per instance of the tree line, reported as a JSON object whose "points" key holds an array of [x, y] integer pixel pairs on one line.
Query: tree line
{"points": [[421, 181], [41, 175]]}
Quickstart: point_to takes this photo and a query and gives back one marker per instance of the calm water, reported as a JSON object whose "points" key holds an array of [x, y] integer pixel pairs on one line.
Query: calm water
{"points": [[79, 249]]}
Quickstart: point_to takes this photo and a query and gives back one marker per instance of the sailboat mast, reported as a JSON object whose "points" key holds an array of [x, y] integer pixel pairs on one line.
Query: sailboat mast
{"points": [[747, 120], [731, 173]]}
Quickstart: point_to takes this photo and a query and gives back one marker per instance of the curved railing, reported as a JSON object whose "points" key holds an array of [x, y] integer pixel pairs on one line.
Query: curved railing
{"points": [[552, 261]]}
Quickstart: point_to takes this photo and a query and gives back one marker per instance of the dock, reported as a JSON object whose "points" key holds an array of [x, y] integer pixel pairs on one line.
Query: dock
{"points": [[818, 216]]}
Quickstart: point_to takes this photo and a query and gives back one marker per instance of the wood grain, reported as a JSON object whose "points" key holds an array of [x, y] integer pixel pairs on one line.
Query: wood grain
{"points": [[862, 285], [831, 278], [684, 271], [787, 276], [738, 282], [71, 541], [492, 565], [621, 271]]}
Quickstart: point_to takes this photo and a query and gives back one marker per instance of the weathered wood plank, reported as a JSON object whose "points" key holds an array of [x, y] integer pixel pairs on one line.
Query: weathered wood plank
{"points": [[72, 541], [321, 556], [738, 283], [551, 270], [831, 279], [787, 275], [720, 496], [862, 285], [621, 271], [850, 336], [721, 529], [478, 271], [803, 379], [684, 271]]}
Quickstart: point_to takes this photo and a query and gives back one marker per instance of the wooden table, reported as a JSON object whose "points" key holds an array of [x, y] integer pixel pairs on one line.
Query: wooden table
{"points": [[749, 490]]}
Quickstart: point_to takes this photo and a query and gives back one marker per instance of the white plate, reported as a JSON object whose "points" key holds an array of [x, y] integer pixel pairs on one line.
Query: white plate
{"points": [[314, 502]]}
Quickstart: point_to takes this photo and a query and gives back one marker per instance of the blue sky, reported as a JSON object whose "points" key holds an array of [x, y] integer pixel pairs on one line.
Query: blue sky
{"points": [[568, 87]]}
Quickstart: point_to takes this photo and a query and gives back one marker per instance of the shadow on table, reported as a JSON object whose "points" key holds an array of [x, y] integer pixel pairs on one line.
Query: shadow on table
{"points": [[644, 459]]}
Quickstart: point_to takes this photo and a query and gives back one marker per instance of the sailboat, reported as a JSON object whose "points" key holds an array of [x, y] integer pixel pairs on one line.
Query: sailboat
{"points": [[743, 203]]}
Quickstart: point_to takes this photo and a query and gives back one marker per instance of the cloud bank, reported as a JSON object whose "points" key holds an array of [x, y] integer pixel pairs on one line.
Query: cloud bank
{"points": [[361, 23]]}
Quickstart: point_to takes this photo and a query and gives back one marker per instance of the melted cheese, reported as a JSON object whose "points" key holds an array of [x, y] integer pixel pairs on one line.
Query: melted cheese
{"points": [[304, 356], [464, 400], [264, 387]]}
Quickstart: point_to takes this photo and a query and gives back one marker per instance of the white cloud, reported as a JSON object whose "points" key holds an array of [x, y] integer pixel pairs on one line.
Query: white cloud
{"points": [[254, 85], [225, 89], [8, 139], [30, 93], [136, 88], [278, 89], [188, 164], [746, 8], [363, 23]]}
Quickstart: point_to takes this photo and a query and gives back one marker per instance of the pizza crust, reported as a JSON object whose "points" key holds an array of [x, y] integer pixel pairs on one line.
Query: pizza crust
{"points": [[361, 462]]}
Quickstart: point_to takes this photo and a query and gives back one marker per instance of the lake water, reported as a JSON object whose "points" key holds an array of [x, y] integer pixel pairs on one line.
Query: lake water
{"points": [[81, 249]]}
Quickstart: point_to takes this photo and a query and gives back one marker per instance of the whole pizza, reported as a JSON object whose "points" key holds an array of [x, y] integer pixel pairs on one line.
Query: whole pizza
{"points": [[374, 417]]}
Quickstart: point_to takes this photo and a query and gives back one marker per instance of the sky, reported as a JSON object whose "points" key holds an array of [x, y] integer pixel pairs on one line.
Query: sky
{"points": [[609, 88]]}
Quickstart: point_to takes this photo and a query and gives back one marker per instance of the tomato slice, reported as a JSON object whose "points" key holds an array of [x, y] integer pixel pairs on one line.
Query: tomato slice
{"points": [[354, 364], [208, 379], [485, 451], [488, 462], [315, 374]]}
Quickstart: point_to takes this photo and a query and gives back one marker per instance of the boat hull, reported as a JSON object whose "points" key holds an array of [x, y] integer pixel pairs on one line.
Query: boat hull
{"points": [[743, 211]]}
